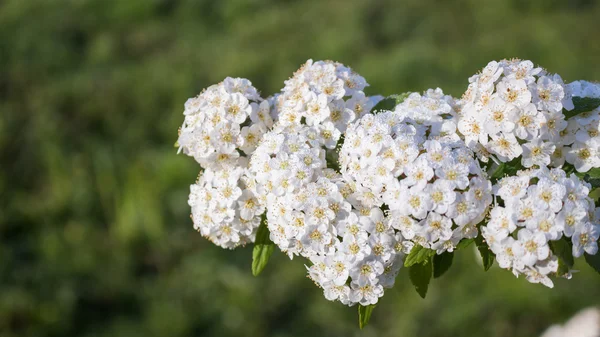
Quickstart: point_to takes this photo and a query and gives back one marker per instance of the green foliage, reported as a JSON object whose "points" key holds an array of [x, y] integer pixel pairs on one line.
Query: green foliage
{"points": [[390, 102], [563, 250], [420, 275], [506, 169], [593, 261], [487, 257], [418, 255], [441, 263], [364, 314], [464, 243], [582, 104], [263, 247]]}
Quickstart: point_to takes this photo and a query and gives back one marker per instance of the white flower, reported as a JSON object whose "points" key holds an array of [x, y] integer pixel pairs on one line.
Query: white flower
{"points": [[365, 294], [529, 122], [585, 238], [537, 152], [501, 116], [436, 227], [473, 130], [547, 194], [583, 157], [514, 91], [533, 245], [317, 109], [505, 255], [545, 222], [505, 146], [366, 272], [548, 95], [442, 194]]}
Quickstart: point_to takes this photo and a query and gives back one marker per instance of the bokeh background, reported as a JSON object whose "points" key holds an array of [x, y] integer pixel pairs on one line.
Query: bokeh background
{"points": [[95, 236]]}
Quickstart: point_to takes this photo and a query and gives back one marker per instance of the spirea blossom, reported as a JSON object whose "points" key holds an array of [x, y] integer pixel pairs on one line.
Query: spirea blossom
{"points": [[288, 165], [433, 187], [225, 121], [322, 93], [533, 209], [581, 139], [513, 109], [224, 208], [355, 191]]}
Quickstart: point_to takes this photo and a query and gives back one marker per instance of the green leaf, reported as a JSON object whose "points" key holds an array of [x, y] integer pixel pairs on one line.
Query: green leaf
{"points": [[563, 250], [595, 195], [487, 256], [364, 314], [441, 263], [417, 255], [582, 104], [594, 173], [420, 275], [390, 102], [263, 247], [593, 261], [464, 243], [510, 168]]}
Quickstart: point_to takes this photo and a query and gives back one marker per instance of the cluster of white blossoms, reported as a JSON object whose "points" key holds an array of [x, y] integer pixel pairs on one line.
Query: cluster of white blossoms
{"points": [[535, 208], [225, 121], [430, 182], [292, 179], [581, 139], [356, 188], [513, 109], [224, 209], [323, 94], [222, 128]]}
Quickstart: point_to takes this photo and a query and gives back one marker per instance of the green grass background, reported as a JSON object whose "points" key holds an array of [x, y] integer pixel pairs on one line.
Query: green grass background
{"points": [[95, 235]]}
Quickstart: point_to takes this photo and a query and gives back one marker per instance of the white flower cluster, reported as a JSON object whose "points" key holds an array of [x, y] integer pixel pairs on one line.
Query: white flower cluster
{"points": [[538, 207], [363, 258], [513, 109], [323, 94], [222, 128], [434, 189], [289, 168], [581, 138], [354, 191], [431, 108], [224, 209], [225, 120]]}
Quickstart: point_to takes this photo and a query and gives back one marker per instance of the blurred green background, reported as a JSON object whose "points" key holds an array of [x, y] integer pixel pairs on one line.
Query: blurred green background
{"points": [[94, 227]]}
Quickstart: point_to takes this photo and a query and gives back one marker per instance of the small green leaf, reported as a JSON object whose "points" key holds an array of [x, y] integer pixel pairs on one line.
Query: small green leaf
{"points": [[593, 261], [594, 173], [487, 256], [595, 195], [364, 314], [263, 247], [582, 104], [464, 243], [563, 250], [390, 102], [441, 263], [418, 254], [509, 168], [420, 275], [176, 145]]}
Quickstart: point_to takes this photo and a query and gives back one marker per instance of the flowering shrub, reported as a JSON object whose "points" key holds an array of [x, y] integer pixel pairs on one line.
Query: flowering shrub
{"points": [[362, 186]]}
